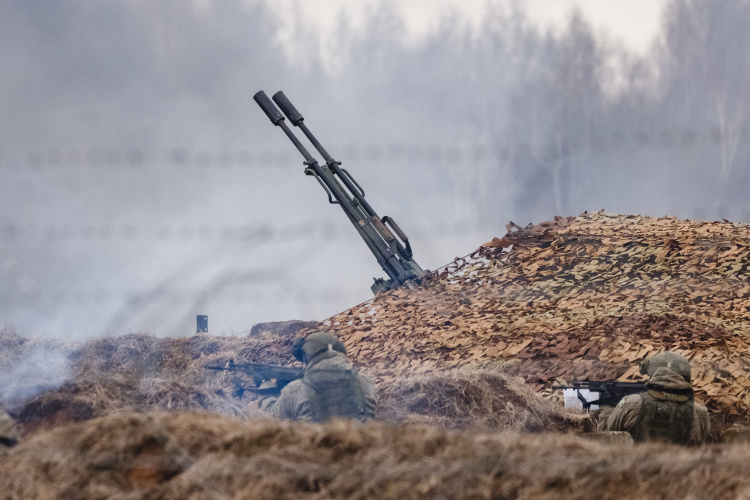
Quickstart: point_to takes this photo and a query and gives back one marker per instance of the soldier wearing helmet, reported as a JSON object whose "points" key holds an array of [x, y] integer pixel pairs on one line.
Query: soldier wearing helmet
{"points": [[330, 388], [666, 410]]}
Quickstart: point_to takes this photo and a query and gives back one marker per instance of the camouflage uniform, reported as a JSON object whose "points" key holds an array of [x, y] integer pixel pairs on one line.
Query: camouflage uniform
{"points": [[8, 431], [331, 387], [665, 411]]}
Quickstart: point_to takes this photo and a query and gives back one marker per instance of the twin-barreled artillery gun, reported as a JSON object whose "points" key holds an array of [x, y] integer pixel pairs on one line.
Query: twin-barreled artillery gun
{"points": [[383, 236], [393, 254]]}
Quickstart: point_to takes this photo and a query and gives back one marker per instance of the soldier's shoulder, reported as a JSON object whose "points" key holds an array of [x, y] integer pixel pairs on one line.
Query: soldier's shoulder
{"points": [[700, 410], [8, 429], [292, 387], [628, 405], [364, 378], [366, 384], [630, 400]]}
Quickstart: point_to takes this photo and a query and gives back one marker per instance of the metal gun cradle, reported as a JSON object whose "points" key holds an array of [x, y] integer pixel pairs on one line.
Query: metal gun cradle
{"points": [[392, 251]]}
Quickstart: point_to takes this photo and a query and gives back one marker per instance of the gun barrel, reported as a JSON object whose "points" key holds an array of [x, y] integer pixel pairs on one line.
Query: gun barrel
{"points": [[393, 256], [298, 121], [277, 119], [268, 108], [356, 192], [281, 100], [216, 367]]}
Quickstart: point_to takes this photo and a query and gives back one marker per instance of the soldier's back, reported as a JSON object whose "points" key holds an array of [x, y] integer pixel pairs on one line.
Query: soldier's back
{"points": [[333, 388]]}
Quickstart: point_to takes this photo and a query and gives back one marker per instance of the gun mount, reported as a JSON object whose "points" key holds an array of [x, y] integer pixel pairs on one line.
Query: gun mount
{"points": [[393, 252]]}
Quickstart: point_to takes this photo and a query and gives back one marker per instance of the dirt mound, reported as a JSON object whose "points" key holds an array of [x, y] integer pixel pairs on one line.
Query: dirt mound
{"points": [[45, 383], [183, 455], [145, 356], [85, 399], [576, 298], [98, 459], [489, 399], [72, 402], [476, 398]]}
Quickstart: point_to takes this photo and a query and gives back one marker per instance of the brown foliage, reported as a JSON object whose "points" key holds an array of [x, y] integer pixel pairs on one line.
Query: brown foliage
{"points": [[135, 372], [281, 328], [145, 356], [481, 398], [85, 399], [189, 456], [476, 398], [576, 298]]}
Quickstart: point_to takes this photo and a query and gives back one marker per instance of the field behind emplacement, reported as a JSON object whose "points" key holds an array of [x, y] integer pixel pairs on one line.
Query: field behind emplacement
{"points": [[465, 366]]}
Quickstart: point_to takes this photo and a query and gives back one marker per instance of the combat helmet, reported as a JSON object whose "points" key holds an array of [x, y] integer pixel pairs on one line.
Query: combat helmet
{"points": [[671, 360], [306, 348]]}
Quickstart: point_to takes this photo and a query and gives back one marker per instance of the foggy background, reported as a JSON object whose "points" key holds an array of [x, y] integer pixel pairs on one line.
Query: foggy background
{"points": [[141, 185]]}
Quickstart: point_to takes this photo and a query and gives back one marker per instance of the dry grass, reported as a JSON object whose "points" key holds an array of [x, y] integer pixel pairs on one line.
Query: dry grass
{"points": [[478, 398], [475, 397], [145, 356], [144, 373], [184, 455], [86, 399], [135, 372], [30, 365]]}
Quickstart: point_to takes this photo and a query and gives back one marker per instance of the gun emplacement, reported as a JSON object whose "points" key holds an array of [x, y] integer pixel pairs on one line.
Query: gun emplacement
{"points": [[393, 253]]}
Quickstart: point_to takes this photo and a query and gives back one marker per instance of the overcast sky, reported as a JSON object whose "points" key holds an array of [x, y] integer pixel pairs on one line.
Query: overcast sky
{"points": [[142, 186], [636, 23]]}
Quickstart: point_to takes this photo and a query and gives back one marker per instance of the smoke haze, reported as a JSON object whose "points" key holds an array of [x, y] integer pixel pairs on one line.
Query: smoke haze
{"points": [[142, 185]]}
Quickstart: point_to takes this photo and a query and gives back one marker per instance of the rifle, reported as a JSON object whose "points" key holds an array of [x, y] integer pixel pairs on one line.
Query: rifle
{"points": [[608, 392], [393, 254], [260, 373]]}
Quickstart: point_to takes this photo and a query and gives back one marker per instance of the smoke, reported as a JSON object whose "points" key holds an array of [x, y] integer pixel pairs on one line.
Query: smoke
{"points": [[40, 369], [142, 186]]}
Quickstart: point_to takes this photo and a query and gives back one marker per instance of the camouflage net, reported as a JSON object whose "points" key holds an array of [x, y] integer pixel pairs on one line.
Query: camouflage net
{"points": [[583, 297]]}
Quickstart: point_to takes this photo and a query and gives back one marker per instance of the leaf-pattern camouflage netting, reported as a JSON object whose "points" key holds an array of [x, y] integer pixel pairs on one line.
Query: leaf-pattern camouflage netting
{"points": [[583, 297]]}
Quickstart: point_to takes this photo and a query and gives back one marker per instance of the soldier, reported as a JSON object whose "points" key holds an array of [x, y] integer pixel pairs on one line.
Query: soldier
{"points": [[665, 411], [331, 387]]}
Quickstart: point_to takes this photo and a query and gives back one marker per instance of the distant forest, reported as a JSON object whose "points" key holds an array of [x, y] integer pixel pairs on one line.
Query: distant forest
{"points": [[538, 123], [129, 130], [574, 121]]}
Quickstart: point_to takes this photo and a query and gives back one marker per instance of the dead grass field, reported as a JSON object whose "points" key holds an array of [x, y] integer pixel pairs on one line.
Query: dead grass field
{"points": [[200, 456], [125, 375]]}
